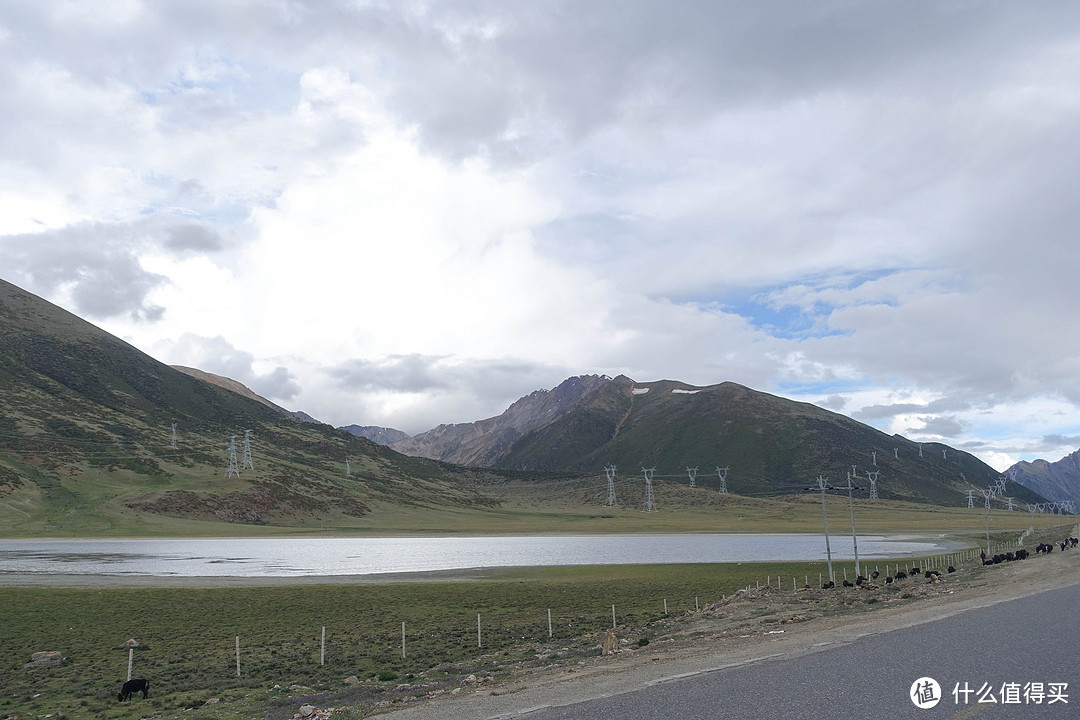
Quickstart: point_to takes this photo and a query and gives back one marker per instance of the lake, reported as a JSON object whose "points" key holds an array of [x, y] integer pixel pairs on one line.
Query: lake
{"points": [[298, 557]]}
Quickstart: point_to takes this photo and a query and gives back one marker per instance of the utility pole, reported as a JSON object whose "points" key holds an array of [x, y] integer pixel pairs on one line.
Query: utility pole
{"points": [[823, 485], [650, 499], [854, 536], [232, 469], [610, 470]]}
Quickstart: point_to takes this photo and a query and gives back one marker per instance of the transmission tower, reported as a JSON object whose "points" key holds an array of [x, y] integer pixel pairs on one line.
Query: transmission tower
{"points": [[173, 445], [348, 470], [232, 469], [896, 453], [873, 457], [872, 477], [692, 472], [971, 499], [920, 449], [944, 454], [1010, 503], [246, 464], [610, 471], [650, 499], [722, 472]]}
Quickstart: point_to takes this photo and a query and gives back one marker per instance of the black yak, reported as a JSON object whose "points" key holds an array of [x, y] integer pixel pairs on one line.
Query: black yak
{"points": [[133, 686]]}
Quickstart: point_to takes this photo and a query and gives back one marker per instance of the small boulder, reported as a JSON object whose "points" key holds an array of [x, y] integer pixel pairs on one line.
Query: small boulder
{"points": [[352, 680], [45, 659], [610, 643], [306, 711]]}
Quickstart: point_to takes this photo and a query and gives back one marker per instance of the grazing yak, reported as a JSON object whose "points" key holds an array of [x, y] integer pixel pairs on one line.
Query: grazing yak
{"points": [[133, 686]]}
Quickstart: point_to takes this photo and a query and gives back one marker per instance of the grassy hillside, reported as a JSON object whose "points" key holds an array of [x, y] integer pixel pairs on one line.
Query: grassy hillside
{"points": [[771, 445], [86, 445]]}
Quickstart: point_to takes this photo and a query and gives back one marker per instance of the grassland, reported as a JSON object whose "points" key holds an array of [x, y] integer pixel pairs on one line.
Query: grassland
{"points": [[549, 505], [190, 634]]}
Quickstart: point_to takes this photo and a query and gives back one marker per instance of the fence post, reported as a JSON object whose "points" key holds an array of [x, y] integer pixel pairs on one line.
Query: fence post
{"points": [[613, 625], [549, 622], [403, 639], [322, 648], [478, 642], [237, 656]]}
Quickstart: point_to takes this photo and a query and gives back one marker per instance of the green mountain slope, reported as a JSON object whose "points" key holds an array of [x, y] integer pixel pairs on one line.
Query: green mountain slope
{"points": [[86, 444], [770, 445]]}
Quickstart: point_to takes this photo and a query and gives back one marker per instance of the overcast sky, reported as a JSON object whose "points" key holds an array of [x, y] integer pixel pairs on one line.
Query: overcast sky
{"points": [[411, 213]]}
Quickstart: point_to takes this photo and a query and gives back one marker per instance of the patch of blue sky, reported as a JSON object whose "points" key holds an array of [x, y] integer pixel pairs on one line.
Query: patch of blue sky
{"points": [[799, 309], [788, 322]]}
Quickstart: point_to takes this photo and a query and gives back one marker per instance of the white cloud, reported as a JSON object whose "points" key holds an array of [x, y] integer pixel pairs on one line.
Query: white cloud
{"points": [[862, 205]]}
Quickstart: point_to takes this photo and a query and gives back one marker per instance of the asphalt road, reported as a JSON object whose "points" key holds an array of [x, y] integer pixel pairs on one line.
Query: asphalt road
{"points": [[1030, 640]]}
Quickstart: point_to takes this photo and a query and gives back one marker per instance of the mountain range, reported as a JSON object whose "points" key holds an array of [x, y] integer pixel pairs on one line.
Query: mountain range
{"points": [[768, 444], [98, 437], [1057, 481]]}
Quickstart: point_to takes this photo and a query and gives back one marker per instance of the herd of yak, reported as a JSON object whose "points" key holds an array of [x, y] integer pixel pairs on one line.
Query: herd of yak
{"points": [[935, 576]]}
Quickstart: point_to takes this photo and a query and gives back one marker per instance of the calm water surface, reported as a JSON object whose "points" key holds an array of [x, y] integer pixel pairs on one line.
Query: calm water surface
{"points": [[290, 557]]}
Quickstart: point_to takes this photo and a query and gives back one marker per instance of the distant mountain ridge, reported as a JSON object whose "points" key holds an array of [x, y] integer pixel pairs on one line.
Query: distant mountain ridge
{"points": [[771, 445], [484, 442], [381, 435], [1055, 481], [241, 389]]}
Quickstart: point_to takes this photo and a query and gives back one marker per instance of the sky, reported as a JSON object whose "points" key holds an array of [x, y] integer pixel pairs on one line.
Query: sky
{"points": [[409, 213]]}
